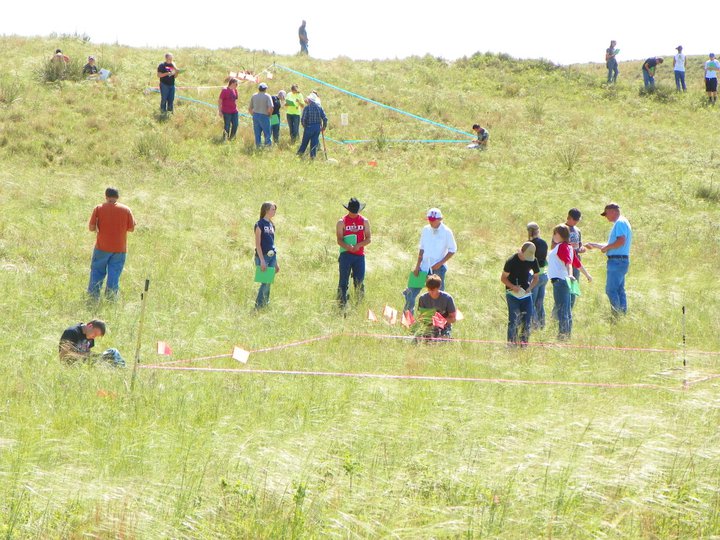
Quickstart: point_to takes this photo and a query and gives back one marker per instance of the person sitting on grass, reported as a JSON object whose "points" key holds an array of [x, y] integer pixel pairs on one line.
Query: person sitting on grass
{"points": [[433, 303], [77, 341], [90, 68], [483, 135]]}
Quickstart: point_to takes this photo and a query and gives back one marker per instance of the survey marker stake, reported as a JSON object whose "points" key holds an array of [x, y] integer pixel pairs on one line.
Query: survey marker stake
{"points": [[143, 300]]}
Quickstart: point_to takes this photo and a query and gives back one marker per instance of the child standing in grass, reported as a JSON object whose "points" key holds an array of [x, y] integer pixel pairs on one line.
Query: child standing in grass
{"points": [[265, 255]]}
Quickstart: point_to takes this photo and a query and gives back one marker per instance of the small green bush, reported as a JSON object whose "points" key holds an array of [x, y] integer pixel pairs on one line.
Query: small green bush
{"points": [[152, 146], [709, 192], [568, 156], [10, 91], [52, 71]]}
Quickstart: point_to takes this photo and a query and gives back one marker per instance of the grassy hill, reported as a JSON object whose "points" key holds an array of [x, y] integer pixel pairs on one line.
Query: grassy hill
{"points": [[217, 455]]}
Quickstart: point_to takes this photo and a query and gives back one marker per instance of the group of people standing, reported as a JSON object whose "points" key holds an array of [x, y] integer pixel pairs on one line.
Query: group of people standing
{"points": [[265, 111], [710, 68], [527, 273]]}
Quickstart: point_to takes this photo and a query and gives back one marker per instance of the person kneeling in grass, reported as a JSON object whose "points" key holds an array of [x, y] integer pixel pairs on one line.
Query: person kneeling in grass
{"points": [[433, 303], [77, 341]]}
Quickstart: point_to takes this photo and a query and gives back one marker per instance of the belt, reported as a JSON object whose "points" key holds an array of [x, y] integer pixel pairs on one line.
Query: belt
{"points": [[621, 257]]}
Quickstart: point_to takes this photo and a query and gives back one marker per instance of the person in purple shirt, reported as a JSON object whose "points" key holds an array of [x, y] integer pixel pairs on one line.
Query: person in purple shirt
{"points": [[227, 109]]}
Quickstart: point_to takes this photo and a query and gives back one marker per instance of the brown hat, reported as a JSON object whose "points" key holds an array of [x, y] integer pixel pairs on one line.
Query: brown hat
{"points": [[610, 206]]}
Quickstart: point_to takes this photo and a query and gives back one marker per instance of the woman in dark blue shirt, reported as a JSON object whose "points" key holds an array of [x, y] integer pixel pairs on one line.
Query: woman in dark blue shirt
{"points": [[265, 255]]}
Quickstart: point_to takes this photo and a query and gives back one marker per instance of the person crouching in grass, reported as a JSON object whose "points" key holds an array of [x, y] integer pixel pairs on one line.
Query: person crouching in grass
{"points": [[436, 302]]}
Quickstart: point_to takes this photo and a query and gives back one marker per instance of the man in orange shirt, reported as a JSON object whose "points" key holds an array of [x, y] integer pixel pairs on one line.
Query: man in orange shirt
{"points": [[112, 221]]}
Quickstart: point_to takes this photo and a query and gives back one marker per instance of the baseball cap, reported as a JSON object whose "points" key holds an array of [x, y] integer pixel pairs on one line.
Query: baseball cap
{"points": [[262, 86], [610, 206], [434, 214], [712, 55], [528, 251], [678, 48]]}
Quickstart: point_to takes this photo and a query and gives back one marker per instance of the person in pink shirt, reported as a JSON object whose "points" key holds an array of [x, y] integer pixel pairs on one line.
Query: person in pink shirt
{"points": [[227, 109]]}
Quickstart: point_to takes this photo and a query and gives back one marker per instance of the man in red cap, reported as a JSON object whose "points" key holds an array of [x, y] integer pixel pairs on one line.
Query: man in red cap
{"points": [[437, 246]]}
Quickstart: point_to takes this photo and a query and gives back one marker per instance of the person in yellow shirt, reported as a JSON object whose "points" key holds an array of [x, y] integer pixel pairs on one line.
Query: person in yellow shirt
{"points": [[294, 103]]}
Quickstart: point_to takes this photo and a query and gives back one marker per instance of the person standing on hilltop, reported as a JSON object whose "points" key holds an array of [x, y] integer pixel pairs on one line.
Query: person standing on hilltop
{"points": [[302, 36], [648, 71], [711, 78], [166, 72], [111, 221], [611, 62], [679, 69], [352, 233]]}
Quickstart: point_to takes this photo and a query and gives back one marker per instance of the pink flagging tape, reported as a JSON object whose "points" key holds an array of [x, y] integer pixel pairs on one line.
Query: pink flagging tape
{"points": [[702, 380], [538, 344], [410, 377], [229, 355]]}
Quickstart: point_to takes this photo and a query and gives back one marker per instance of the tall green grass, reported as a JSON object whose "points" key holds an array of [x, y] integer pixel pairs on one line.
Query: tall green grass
{"points": [[213, 455]]}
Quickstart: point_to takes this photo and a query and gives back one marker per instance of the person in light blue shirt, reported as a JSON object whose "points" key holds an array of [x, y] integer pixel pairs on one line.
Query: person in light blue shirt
{"points": [[617, 250]]}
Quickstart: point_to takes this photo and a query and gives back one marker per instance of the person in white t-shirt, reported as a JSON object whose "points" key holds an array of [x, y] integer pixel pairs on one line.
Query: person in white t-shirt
{"points": [[437, 246], [679, 69], [711, 78]]}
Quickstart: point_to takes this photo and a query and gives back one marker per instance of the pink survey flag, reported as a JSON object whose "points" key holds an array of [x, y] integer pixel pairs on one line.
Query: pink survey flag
{"points": [[439, 321], [407, 319], [390, 314], [371, 316], [241, 355], [458, 315], [163, 348]]}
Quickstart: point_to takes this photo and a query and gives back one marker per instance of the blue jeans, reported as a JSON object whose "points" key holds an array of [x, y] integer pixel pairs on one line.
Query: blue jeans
{"points": [[680, 81], [538, 299], [275, 130], [293, 121], [520, 312], [350, 263], [231, 119], [261, 126], [167, 97], [105, 263], [615, 284], [311, 134], [612, 67], [563, 307], [412, 294], [648, 79], [263, 295]]}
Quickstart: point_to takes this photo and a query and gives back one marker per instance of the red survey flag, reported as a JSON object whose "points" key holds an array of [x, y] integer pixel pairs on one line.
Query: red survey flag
{"points": [[439, 321], [163, 348], [407, 319], [371, 316], [390, 314], [241, 355], [458, 315]]}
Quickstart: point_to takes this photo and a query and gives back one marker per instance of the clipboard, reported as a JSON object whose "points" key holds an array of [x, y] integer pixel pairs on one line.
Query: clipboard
{"points": [[350, 239], [417, 282], [268, 276]]}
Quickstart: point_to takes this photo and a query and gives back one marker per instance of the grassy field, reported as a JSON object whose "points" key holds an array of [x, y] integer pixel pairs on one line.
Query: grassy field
{"points": [[232, 455]]}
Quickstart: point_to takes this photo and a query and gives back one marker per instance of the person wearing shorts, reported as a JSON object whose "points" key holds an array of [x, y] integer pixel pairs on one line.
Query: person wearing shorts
{"points": [[711, 78]]}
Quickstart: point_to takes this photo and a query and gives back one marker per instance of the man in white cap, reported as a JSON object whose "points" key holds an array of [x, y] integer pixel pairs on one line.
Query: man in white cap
{"points": [[437, 246], [518, 292], [261, 107], [617, 249], [314, 122]]}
